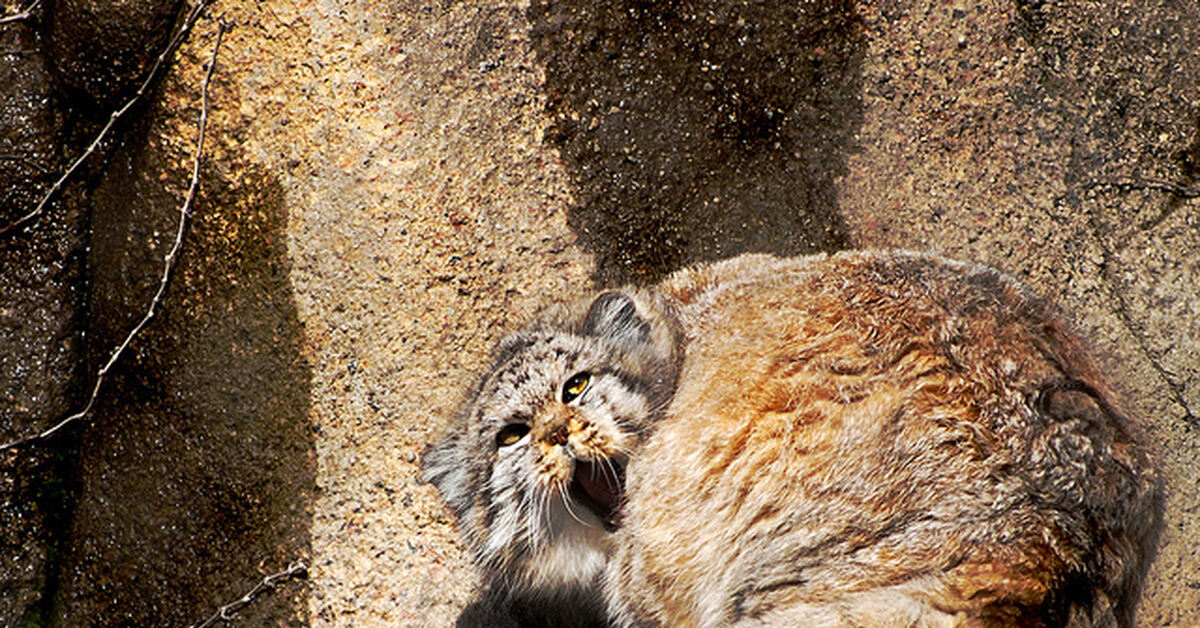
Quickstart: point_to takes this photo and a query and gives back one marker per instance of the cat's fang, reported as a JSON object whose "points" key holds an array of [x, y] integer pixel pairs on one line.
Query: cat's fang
{"points": [[599, 486]]}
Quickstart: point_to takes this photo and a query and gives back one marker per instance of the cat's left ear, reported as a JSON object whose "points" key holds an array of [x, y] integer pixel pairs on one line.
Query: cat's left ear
{"points": [[613, 316]]}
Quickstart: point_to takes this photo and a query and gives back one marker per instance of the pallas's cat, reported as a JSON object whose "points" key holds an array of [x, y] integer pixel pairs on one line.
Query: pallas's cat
{"points": [[868, 438]]}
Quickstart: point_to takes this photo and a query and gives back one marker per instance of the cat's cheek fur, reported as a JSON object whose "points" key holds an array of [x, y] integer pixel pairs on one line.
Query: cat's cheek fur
{"points": [[509, 500], [575, 555], [536, 540], [443, 466]]}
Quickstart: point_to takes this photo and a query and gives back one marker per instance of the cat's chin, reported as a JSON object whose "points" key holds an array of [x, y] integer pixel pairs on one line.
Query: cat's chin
{"points": [[599, 486]]}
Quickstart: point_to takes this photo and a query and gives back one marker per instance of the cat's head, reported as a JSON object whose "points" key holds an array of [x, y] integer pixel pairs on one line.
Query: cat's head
{"points": [[534, 465]]}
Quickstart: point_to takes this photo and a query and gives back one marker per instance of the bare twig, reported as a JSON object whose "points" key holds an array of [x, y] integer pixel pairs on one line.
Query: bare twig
{"points": [[225, 613], [168, 262], [159, 63], [24, 14], [1180, 193], [27, 160], [1159, 185]]}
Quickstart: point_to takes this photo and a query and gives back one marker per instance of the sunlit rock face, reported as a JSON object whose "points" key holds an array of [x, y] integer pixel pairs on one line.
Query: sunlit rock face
{"points": [[387, 190]]}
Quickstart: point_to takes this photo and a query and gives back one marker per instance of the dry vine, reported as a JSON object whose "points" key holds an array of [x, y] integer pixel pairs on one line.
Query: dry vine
{"points": [[296, 570], [159, 63], [23, 14], [1158, 185], [169, 261]]}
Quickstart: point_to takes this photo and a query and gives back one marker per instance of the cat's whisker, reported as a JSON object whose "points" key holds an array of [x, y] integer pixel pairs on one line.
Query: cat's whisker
{"points": [[612, 475], [566, 500], [543, 515], [529, 512], [623, 451]]}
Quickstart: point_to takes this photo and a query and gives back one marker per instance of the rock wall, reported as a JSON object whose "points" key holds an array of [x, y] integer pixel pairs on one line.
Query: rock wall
{"points": [[388, 189]]}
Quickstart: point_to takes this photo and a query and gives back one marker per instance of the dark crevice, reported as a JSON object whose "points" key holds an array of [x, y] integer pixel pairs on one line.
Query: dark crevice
{"points": [[194, 467], [1122, 310]]}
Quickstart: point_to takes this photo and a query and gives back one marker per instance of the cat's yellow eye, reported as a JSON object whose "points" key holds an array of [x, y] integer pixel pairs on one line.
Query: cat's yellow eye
{"points": [[575, 386], [511, 433]]}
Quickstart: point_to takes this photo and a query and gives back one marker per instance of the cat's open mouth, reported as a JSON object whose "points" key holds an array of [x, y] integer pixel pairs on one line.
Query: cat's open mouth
{"points": [[600, 487]]}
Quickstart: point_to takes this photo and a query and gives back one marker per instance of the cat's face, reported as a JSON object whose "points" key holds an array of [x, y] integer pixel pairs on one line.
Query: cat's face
{"points": [[534, 468]]}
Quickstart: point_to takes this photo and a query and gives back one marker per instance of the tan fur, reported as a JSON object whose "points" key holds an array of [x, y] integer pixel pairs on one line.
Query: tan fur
{"points": [[865, 439], [862, 431]]}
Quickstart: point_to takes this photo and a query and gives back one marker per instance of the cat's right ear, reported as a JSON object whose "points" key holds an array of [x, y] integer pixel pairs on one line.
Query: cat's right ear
{"points": [[613, 316]]}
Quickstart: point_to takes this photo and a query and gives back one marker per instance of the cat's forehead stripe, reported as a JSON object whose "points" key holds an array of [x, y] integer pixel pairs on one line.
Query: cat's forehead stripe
{"points": [[631, 382], [542, 351]]}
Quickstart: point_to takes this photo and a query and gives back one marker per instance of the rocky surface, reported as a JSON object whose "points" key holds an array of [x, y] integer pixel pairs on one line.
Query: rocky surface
{"points": [[388, 190], [1011, 134], [42, 289], [40, 355]]}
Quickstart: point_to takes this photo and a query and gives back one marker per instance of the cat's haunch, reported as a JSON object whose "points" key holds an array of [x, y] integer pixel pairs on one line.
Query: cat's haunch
{"points": [[868, 438]]}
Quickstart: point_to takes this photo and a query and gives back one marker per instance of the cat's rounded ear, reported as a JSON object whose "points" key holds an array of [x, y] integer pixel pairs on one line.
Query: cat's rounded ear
{"points": [[614, 317]]}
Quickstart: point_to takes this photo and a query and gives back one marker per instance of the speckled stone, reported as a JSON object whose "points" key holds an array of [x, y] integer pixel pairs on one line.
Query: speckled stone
{"points": [[389, 189]]}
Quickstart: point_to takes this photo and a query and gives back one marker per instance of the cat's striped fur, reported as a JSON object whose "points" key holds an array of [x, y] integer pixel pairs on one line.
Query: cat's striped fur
{"points": [[872, 438], [535, 474]]}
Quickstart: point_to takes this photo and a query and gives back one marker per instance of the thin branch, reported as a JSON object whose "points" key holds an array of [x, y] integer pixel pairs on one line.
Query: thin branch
{"points": [[159, 63], [1122, 310], [296, 570], [1159, 185], [1179, 192], [24, 14], [168, 262], [27, 160]]}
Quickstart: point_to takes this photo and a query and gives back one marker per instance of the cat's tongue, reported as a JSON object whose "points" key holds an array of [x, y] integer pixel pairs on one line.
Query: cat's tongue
{"points": [[602, 484]]}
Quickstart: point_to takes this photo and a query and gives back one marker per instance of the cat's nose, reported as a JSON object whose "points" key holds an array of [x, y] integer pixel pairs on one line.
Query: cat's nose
{"points": [[557, 435]]}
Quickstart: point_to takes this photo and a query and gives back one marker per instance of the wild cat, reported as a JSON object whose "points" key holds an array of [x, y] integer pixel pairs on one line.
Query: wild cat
{"points": [[863, 439]]}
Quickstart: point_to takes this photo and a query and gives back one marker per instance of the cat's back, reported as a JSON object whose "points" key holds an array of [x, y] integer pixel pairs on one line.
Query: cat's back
{"points": [[882, 438]]}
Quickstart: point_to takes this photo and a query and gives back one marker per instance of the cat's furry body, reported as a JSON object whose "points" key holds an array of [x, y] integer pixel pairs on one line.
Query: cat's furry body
{"points": [[862, 439]]}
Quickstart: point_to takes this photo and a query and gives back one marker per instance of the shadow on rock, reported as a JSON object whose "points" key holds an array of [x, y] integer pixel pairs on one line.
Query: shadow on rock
{"points": [[47, 108], [695, 130], [197, 472]]}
